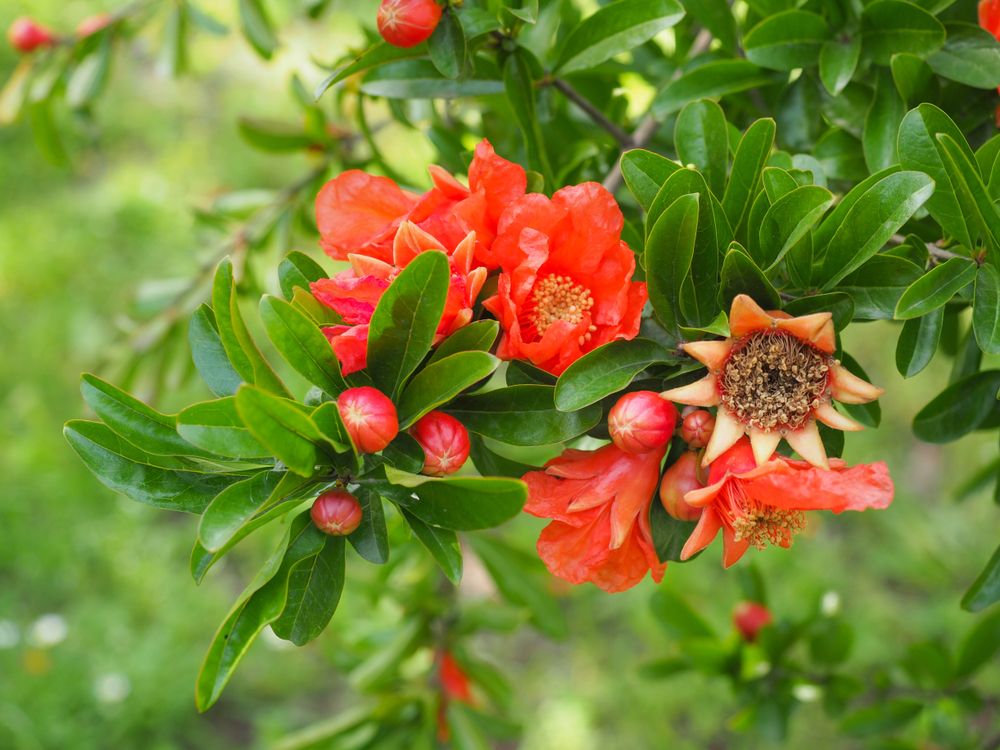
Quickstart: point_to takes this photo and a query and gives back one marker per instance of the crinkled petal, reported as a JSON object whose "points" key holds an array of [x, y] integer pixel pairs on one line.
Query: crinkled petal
{"points": [[355, 210], [350, 344], [839, 489]]}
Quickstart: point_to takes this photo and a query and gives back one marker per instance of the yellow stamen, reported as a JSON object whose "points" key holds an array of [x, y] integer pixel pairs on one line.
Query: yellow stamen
{"points": [[558, 298]]}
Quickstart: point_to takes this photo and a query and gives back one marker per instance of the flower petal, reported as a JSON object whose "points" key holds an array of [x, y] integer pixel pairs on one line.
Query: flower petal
{"points": [[817, 329], [727, 431], [764, 444], [704, 392], [746, 316], [704, 533], [807, 443], [829, 416], [443, 180], [849, 388], [795, 488], [410, 241], [732, 550], [712, 354], [355, 209]]}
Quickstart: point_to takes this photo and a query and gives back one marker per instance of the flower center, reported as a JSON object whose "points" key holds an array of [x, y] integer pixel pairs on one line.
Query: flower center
{"points": [[773, 380], [759, 524], [557, 298]]}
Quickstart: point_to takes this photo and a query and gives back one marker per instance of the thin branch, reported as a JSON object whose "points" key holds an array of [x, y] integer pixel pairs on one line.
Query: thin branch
{"points": [[938, 253], [624, 139]]}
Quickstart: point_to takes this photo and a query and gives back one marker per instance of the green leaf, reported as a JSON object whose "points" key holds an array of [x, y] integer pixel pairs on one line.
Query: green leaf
{"points": [[523, 373], [440, 382], [978, 647], [298, 269], [240, 347], [405, 321], [838, 59], [877, 286], [740, 275], [614, 29], [669, 534], [274, 137], [257, 27], [527, 10], [209, 354], [711, 81], [882, 123], [986, 309], [457, 503], [751, 156], [520, 87], [789, 219], [447, 45], [914, 79], [839, 304], [522, 415], [477, 336], [677, 616], [892, 26], [441, 543], [281, 426], [645, 173], [972, 194], [883, 717], [701, 138], [920, 150], [669, 251], [935, 288], [419, 79], [490, 464], [958, 409], [825, 231], [380, 54], [90, 74], [46, 134], [371, 539], [716, 17], [405, 454], [302, 344], [970, 55], [216, 427], [476, 21], [918, 341], [158, 481], [606, 370], [235, 506], [871, 221], [985, 590], [315, 583], [777, 183], [787, 40]]}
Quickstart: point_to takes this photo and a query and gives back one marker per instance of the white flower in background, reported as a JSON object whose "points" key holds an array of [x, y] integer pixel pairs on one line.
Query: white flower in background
{"points": [[48, 631], [806, 693], [112, 687], [830, 603], [9, 634]]}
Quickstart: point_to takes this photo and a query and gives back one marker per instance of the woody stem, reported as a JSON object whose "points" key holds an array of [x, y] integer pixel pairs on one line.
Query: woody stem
{"points": [[624, 140]]}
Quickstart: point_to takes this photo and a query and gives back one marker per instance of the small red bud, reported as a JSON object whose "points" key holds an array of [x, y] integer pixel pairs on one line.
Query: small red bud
{"points": [[680, 479], [336, 513], [697, 428], [454, 681], [27, 35], [407, 23], [93, 24], [641, 422], [749, 618], [370, 418], [445, 442]]}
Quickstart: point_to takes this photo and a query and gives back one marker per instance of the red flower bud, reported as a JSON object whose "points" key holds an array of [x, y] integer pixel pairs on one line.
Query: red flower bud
{"points": [[641, 422], [680, 479], [26, 35], [749, 618], [407, 23], [336, 513], [445, 442], [697, 428], [93, 24], [454, 681], [370, 418]]}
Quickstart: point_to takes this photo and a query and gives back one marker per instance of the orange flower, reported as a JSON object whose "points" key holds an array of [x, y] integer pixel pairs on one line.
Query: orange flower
{"points": [[989, 19], [599, 502], [566, 283], [773, 378], [354, 294], [756, 504], [360, 213]]}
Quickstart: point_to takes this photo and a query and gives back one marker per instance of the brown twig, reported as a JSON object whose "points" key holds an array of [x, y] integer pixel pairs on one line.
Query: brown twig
{"points": [[625, 141], [938, 253]]}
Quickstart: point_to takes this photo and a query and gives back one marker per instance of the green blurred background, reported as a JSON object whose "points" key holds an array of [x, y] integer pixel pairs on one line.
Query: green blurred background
{"points": [[102, 629]]}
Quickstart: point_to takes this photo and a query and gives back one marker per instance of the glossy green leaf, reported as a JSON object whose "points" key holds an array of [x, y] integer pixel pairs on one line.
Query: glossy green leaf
{"points": [[158, 481], [777, 183], [838, 59], [520, 87], [440, 382], [405, 454], [970, 55], [935, 288], [892, 26], [914, 79], [209, 354], [615, 29], [257, 27], [315, 583], [717, 17], [669, 251], [825, 231], [751, 156], [788, 219], [526, 10], [877, 286], [972, 193], [838, 304], [281, 426], [298, 270], [872, 220], [740, 275], [986, 309], [371, 539], [918, 341], [979, 646], [404, 322], [606, 370], [985, 590], [645, 173], [669, 534], [233, 508], [522, 415], [490, 464], [712, 80], [441, 543], [216, 427], [958, 409], [419, 79], [302, 344], [476, 21], [447, 45], [787, 40], [380, 54], [882, 123], [477, 336], [702, 139]]}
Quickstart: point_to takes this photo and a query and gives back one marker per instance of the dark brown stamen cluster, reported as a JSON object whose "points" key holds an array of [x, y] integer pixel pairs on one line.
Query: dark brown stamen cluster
{"points": [[773, 380]]}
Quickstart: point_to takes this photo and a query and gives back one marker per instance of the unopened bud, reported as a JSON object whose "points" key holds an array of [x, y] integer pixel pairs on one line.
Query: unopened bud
{"points": [[27, 35], [697, 428], [93, 24], [407, 23], [370, 418], [445, 442], [641, 422], [749, 618], [336, 513], [680, 479]]}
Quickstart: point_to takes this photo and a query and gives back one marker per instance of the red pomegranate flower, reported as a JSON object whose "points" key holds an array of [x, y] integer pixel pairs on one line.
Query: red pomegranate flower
{"points": [[989, 19], [360, 213], [599, 505], [566, 283], [355, 293], [754, 505], [773, 378]]}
